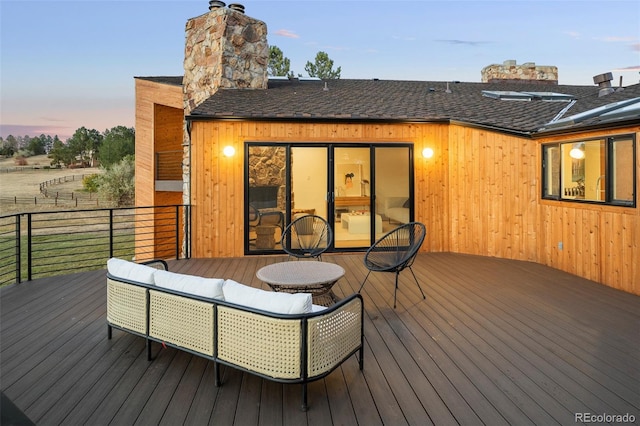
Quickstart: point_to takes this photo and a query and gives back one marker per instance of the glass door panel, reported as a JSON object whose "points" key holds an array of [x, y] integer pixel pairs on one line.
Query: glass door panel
{"points": [[266, 197], [309, 181], [352, 197], [393, 186]]}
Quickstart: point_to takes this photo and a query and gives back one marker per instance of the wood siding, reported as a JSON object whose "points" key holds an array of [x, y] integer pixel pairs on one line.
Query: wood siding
{"points": [[217, 183], [479, 194], [600, 243], [159, 122]]}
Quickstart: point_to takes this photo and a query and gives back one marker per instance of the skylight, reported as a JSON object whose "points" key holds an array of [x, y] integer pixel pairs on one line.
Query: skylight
{"points": [[527, 96], [629, 108]]}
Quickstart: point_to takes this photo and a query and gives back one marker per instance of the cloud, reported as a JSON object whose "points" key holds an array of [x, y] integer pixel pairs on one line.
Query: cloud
{"points": [[573, 34], [286, 33], [631, 68], [635, 47], [35, 130], [463, 42]]}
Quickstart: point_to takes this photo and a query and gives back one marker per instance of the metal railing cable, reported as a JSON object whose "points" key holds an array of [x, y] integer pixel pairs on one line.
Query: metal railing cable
{"points": [[40, 244]]}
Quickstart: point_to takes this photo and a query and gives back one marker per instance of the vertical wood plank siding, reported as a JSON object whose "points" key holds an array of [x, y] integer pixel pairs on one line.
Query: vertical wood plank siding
{"points": [[149, 95], [159, 120], [217, 216], [478, 194], [600, 243]]}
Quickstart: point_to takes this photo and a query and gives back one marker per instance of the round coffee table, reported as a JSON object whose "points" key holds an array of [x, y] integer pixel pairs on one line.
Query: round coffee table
{"points": [[303, 276]]}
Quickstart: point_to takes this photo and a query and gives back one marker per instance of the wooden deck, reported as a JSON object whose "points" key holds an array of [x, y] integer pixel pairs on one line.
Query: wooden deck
{"points": [[495, 342]]}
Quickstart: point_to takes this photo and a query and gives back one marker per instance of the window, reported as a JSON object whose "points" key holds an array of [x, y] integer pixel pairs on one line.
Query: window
{"points": [[592, 170]]}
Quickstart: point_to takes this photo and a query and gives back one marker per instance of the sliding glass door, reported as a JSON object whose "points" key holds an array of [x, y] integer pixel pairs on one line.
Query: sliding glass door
{"points": [[363, 191], [352, 197]]}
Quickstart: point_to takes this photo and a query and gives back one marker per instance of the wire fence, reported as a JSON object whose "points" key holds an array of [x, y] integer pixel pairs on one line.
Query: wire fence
{"points": [[50, 196]]}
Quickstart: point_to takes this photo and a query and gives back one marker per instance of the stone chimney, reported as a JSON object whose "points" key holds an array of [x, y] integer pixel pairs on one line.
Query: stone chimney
{"points": [[224, 48], [509, 72]]}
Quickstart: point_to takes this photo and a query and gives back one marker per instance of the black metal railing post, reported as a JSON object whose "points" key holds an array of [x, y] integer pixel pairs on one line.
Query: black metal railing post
{"points": [[110, 233], [177, 221], [18, 251], [56, 243], [29, 246]]}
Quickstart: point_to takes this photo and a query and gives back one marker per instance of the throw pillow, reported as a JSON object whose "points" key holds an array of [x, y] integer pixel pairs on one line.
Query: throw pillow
{"points": [[130, 271], [198, 286], [279, 303]]}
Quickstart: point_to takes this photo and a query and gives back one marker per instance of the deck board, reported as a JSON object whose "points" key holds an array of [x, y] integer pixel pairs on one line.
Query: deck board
{"points": [[495, 342]]}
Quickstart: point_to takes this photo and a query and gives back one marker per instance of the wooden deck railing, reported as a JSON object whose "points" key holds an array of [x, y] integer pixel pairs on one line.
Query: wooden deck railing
{"points": [[40, 244]]}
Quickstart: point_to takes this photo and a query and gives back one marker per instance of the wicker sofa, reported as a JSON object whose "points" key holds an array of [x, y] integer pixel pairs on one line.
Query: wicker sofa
{"points": [[278, 336]]}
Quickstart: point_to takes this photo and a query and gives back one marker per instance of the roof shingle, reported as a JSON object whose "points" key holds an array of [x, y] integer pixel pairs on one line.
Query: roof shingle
{"points": [[392, 100]]}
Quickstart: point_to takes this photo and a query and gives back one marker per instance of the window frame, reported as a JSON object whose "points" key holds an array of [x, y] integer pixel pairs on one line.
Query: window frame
{"points": [[548, 177]]}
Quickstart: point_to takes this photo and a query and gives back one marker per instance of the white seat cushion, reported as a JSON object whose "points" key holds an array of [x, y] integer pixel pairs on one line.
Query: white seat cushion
{"points": [[280, 303], [198, 286], [317, 308], [130, 271]]}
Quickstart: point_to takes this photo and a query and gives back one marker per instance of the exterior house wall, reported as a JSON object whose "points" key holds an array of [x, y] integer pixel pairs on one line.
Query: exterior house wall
{"points": [[159, 119], [600, 243], [478, 194], [493, 194], [217, 185]]}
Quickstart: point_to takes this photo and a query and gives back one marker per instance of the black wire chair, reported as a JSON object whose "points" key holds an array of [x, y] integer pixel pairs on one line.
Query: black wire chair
{"points": [[307, 237], [396, 251]]}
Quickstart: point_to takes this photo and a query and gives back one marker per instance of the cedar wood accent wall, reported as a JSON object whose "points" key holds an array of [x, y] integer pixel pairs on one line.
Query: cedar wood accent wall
{"points": [[478, 194], [159, 121], [601, 243]]}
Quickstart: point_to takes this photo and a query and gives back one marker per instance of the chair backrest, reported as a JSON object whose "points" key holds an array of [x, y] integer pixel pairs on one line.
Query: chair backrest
{"points": [[307, 236], [397, 249], [254, 214]]}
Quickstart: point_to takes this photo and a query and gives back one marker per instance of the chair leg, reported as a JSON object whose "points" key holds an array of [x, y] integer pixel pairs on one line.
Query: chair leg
{"points": [[414, 277], [216, 373], [365, 280], [304, 406], [395, 291]]}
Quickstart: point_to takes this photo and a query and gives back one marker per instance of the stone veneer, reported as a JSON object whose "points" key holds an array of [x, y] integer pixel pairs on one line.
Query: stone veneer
{"points": [[529, 71], [224, 48], [267, 167]]}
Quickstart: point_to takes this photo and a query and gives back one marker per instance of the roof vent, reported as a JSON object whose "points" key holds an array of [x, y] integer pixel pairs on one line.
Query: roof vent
{"points": [[237, 7], [604, 83]]}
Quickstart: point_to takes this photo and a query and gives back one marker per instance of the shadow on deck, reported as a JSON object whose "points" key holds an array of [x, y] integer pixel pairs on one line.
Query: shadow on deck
{"points": [[496, 342]]}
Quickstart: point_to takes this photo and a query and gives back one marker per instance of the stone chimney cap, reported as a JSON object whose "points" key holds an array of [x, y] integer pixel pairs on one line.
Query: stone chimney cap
{"points": [[237, 7], [214, 4]]}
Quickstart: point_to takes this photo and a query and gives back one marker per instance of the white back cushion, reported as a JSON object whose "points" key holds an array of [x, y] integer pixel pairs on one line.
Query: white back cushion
{"points": [[280, 303], [130, 271], [198, 286]]}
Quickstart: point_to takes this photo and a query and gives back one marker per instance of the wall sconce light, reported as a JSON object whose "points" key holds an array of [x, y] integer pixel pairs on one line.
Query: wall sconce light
{"points": [[577, 151], [427, 152], [229, 151]]}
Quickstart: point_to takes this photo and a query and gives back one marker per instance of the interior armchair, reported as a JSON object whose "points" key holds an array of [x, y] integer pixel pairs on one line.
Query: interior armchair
{"points": [[268, 216]]}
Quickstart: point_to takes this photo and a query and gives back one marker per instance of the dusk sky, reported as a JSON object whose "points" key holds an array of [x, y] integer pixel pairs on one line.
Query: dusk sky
{"points": [[68, 64]]}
